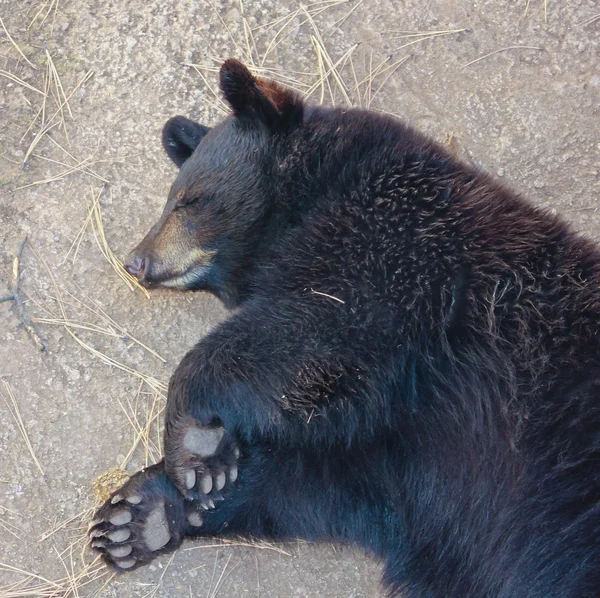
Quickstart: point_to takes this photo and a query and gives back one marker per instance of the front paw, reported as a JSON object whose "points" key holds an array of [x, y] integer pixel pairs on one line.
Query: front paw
{"points": [[202, 462]]}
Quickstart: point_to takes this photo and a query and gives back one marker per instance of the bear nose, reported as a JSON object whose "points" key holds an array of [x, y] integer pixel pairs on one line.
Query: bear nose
{"points": [[135, 265]]}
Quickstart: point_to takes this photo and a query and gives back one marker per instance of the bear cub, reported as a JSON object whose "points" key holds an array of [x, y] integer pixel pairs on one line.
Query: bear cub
{"points": [[413, 366]]}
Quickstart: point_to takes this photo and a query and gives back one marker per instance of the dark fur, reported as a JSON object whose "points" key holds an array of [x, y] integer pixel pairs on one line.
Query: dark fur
{"points": [[415, 365]]}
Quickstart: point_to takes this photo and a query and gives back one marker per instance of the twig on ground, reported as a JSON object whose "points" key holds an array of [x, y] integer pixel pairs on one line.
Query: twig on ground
{"points": [[16, 297]]}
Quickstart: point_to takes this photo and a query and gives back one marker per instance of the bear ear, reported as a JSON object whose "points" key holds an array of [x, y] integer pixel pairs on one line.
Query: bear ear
{"points": [[180, 137], [257, 98]]}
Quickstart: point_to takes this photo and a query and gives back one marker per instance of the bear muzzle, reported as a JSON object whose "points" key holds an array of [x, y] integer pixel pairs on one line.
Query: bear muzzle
{"points": [[135, 265]]}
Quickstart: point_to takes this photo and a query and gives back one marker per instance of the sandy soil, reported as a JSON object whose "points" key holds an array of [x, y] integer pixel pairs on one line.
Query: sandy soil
{"points": [[527, 110]]}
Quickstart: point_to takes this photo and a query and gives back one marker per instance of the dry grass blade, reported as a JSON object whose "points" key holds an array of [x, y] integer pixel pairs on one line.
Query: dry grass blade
{"points": [[218, 105], [53, 4], [5, 508], [112, 329], [234, 544], [86, 169], [58, 93], [80, 166], [425, 34], [107, 252], [11, 529], [503, 50], [392, 68], [66, 587], [58, 84], [276, 38], [221, 578], [372, 72], [13, 407], [98, 311], [7, 567], [153, 383], [589, 20], [142, 433], [18, 81], [332, 69], [53, 530], [316, 8], [341, 21], [279, 75], [51, 123], [160, 579], [354, 76], [231, 36], [212, 577], [57, 177], [327, 59], [74, 248], [264, 27], [323, 76], [16, 46], [250, 42], [431, 35], [382, 68], [327, 295]]}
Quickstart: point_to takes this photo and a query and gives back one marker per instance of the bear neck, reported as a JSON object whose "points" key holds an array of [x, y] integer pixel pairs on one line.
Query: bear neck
{"points": [[323, 160]]}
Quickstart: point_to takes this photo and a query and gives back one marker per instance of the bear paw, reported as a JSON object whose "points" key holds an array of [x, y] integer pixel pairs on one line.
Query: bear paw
{"points": [[144, 518], [203, 463]]}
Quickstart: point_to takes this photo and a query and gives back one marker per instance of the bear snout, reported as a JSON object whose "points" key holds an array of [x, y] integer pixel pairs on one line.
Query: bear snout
{"points": [[135, 264]]}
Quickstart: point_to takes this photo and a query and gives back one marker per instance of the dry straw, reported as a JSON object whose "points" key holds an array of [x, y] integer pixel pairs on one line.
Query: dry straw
{"points": [[107, 252], [13, 407]]}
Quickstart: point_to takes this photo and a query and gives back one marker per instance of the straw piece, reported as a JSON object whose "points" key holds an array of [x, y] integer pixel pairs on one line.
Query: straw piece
{"points": [[502, 50], [13, 407], [15, 45]]}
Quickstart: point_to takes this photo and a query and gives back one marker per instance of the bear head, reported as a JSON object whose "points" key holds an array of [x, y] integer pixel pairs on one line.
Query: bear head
{"points": [[216, 216]]}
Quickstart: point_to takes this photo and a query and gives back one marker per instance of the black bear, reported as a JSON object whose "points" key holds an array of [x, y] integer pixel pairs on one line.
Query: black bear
{"points": [[413, 366]]}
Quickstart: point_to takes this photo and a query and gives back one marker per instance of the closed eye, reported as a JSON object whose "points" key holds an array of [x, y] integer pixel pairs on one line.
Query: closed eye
{"points": [[186, 201]]}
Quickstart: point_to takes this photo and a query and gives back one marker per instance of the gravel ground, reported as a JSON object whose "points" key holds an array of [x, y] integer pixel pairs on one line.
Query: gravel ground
{"points": [[527, 111]]}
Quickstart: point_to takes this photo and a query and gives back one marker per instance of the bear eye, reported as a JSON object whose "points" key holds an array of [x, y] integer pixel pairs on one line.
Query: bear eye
{"points": [[186, 202], [182, 200]]}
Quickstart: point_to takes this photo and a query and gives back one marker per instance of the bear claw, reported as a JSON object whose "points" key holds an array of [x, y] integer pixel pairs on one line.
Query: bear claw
{"points": [[204, 463]]}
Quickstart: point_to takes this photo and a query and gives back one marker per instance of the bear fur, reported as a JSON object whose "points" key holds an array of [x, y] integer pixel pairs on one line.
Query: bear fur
{"points": [[413, 366]]}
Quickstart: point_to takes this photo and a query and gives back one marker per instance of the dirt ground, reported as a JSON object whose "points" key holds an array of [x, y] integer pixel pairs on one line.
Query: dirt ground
{"points": [[85, 88]]}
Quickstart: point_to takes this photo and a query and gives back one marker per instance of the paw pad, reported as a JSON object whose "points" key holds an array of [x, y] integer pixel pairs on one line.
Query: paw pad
{"points": [[203, 441], [143, 519]]}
